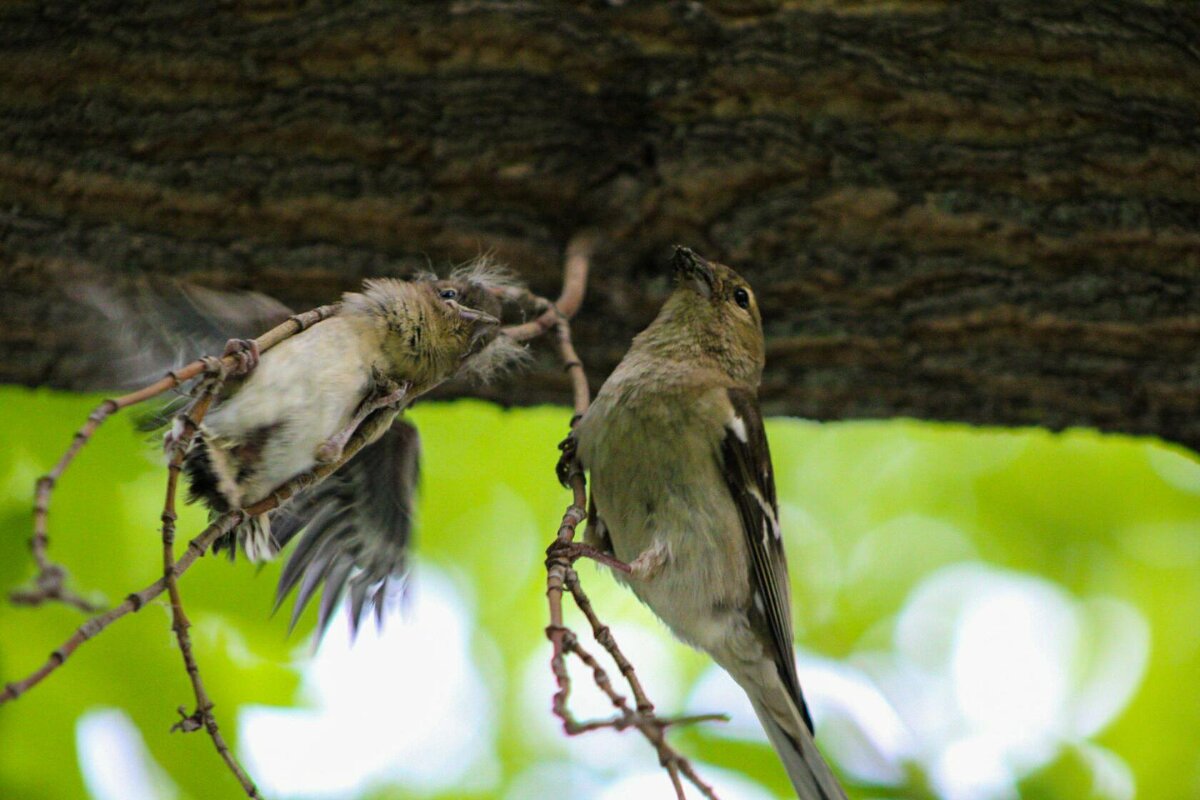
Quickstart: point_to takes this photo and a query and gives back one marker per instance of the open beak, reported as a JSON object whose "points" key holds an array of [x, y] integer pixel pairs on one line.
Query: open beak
{"points": [[472, 315], [693, 271]]}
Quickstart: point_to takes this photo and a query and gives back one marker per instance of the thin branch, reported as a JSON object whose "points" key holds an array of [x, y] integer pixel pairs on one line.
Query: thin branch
{"points": [[579, 254], [651, 726], [202, 716], [603, 635], [133, 603], [626, 717], [560, 575], [216, 371], [574, 368], [560, 556], [49, 585], [196, 548]]}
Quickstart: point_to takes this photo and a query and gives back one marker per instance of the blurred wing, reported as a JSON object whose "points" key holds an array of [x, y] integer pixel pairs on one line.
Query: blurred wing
{"points": [[132, 331], [751, 481], [119, 333], [354, 528]]}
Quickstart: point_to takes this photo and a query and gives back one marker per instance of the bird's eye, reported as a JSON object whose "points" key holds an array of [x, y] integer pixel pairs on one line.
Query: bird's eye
{"points": [[449, 294], [741, 297]]}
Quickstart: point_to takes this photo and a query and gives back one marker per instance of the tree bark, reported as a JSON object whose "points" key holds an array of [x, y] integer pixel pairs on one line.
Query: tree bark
{"points": [[982, 212]]}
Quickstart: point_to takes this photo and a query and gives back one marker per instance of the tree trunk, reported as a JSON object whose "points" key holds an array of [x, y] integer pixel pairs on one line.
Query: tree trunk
{"points": [[983, 212]]}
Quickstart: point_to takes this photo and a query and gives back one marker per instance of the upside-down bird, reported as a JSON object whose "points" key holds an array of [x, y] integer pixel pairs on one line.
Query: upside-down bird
{"points": [[300, 402]]}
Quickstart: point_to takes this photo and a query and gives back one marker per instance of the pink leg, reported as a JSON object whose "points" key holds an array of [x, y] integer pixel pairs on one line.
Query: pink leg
{"points": [[331, 449], [573, 551], [246, 351]]}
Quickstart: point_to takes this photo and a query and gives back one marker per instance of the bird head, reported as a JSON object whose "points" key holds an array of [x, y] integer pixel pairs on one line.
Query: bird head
{"points": [[713, 310], [476, 288], [474, 312]]}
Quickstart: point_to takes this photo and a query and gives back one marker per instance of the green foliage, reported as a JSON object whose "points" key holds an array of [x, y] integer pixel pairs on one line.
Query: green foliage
{"points": [[870, 511]]}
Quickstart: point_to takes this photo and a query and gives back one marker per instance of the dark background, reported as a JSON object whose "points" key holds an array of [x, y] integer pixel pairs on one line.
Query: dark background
{"points": [[958, 211]]}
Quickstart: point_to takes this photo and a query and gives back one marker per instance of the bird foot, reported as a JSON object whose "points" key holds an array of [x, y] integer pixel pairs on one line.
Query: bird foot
{"points": [[331, 449], [568, 463], [573, 551], [246, 353], [387, 394], [651, 561]]}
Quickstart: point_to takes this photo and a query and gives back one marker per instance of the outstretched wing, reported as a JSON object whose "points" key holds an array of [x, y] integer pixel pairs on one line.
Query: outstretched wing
{"points": [[354, 528], [125, 332], [751, 481], [121, 332]]}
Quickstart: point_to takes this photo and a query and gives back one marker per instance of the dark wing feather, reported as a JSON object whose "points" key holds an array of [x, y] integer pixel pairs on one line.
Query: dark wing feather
{"points": [[751, 482], [354, 528]]}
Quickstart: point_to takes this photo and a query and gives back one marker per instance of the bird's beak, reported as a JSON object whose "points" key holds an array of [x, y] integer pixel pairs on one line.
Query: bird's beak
{"points": [[473, 315], [485, 329], [692, 270]]}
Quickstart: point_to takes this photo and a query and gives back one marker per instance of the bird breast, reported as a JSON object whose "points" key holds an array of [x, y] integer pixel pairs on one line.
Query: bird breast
{"points": [[303, 391], [656, 479]]}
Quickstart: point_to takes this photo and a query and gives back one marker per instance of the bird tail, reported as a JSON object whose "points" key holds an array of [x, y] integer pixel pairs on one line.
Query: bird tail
{"points": [[256, 539], [254, 535], [806, 767]]}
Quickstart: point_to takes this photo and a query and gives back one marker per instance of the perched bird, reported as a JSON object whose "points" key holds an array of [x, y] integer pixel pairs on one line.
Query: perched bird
{"points": [[355, 528], [301, 403], [682, 491]]}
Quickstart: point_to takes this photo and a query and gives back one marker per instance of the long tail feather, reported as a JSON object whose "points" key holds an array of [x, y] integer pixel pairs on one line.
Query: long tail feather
{"points": [[806, 767]]}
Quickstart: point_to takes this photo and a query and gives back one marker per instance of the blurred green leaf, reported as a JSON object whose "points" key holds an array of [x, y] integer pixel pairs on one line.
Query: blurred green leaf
{"points": [[870, 511]]}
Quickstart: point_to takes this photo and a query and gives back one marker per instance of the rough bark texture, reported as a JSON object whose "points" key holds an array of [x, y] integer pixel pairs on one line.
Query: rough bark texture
{"points": [[968, 211]]}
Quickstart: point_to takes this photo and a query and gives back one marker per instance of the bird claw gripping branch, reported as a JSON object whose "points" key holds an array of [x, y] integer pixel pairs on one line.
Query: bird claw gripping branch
{"points": [[246, 354]]}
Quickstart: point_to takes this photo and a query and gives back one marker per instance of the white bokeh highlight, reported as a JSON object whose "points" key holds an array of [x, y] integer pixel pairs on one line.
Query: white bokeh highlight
{"points": [[652, 784], [994, 674], [643, 781], [403, 705], [114, 760]]}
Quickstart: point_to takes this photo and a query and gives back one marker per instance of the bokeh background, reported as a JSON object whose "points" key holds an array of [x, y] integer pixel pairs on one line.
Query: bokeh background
{"points": [[980, 615]]}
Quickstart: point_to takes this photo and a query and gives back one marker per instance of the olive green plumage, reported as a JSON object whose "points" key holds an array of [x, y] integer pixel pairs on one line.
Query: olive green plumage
{"points": [[682, 490]]}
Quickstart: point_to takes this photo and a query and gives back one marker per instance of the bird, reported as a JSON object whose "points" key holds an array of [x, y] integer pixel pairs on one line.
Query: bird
{"points": [[299, 404], [683, 492], [355, 528]]}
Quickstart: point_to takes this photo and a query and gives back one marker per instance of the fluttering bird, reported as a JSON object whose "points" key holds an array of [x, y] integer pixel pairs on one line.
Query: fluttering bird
{"points": [[300, 403], [682, 490]]}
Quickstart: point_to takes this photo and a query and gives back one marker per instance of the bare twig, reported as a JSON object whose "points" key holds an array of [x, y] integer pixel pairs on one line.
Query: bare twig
{"points": [[202, 717], [626, 717], [49, 585], [51, 576], [562, 553], [219, 527], [134, 602], [560, 556], [579, 254], [651, 726]]}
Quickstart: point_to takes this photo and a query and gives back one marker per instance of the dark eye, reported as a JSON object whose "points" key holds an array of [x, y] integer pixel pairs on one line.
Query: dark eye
{"points": [[741, 297], [449, 294]]}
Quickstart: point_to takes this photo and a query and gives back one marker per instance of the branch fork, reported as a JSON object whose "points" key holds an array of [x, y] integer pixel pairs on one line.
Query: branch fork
{"points": [[210, 373]]}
